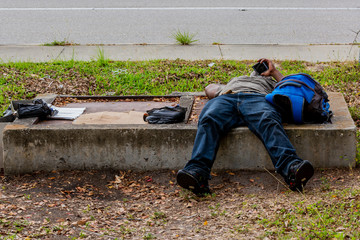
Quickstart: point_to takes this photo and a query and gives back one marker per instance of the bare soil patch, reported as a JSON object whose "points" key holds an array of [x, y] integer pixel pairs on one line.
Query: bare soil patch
{"points": [[149, 205]]}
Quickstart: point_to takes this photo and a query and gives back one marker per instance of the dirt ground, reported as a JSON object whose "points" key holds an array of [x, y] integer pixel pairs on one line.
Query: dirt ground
{"points": [[149, 205]]}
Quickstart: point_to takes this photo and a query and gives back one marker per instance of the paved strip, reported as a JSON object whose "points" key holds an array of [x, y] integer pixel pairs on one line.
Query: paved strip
{"points": [[311, 53], [181, 8]]}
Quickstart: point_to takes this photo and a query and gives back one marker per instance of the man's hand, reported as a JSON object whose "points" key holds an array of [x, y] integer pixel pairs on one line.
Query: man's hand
{"points": [[272, 71]]}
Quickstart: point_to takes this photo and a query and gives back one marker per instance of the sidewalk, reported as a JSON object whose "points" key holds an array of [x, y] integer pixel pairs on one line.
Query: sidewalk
{"points": [[310, 53]]}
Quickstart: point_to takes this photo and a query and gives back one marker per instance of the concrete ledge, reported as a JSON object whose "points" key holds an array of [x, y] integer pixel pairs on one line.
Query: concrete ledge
{"points": [[30, 148]]}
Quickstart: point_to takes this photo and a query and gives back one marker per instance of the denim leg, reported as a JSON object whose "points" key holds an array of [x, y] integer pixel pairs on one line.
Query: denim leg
{"points": [[265, 122], [217, 118]]}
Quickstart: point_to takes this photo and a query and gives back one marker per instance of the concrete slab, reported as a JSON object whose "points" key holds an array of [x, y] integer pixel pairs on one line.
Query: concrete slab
{"points": [[143, 52], [30, 148], [310, 53], [124, 52], [2, 126], [14, 53]]}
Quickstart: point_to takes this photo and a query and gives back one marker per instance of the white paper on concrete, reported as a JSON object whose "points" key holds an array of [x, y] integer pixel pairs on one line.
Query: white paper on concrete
{"points": [[67, 113]]}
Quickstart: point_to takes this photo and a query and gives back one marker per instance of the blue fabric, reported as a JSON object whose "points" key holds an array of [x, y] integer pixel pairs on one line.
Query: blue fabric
{"points": [[297, 93], [225, 112], [297, 105]]}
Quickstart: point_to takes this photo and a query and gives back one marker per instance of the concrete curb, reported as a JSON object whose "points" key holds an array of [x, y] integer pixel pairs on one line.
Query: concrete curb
{"points": [[30, 147], [310, 53]]}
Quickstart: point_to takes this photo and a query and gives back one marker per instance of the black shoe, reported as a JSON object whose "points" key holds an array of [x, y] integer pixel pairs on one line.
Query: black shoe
{"points": [[193, 182], [299, 174]]}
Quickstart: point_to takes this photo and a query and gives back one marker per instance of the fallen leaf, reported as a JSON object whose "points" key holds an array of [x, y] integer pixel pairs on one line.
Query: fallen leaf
{"points": [[81, 222]]}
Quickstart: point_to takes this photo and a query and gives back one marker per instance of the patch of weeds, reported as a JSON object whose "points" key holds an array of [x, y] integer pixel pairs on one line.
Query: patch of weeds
{"points": [[87, 209], [184, 38], [101, 59], [293, 66], [59, 43], [130, 216], [12, 226], [330, 218], [82, 235], [355, 113], [157, 218], [159, 215], [10, 237], [325, 184], [27, 196], [358, 148], [209, 196], [149, 236], [125, 230], [242, 229], [186, 195], [215, 210]]}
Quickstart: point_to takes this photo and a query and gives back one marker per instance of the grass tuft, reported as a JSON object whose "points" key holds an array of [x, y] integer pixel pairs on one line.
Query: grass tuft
{"points": [[184, 38], [59, 43]]}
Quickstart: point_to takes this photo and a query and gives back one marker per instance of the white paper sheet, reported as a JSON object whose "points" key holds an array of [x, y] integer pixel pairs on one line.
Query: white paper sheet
{"points": [[67, 113]]}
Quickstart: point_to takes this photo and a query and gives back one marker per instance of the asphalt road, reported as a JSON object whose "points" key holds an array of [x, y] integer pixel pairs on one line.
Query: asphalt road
{"points": [[153, 22]]}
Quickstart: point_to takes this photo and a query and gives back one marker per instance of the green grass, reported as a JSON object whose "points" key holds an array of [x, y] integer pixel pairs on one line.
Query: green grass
{"points": [[334, 217], [151, 77], [21, 80], [184, 38], [59, 43]]}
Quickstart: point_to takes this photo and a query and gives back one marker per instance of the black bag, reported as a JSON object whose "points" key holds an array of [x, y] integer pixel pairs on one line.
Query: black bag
{"points": [[165, 115], [8, 116], [37, 108]]}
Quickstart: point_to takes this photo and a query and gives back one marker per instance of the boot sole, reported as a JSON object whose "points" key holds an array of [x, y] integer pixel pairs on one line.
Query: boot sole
{"points": [[187, 181], [303, 174]]}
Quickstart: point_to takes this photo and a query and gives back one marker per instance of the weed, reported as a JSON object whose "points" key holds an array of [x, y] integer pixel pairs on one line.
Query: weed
{"points": [[319, 220], [210, 196], [186, 195], [124, 230], [27, 196], [355, 112], [158, 219], [184, 38], [149, 236], [87, 209], [242, 228], [159, 215], [101, 59], [325, 184], [82, 235], [216, 210], [358, 148], [59, 43]]}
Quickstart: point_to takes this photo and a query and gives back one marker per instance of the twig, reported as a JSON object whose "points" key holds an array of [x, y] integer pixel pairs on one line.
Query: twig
{"points": [[356, 36]]}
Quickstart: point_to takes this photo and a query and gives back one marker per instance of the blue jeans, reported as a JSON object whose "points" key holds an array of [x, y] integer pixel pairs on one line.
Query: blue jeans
{"points": [[228, 111]]}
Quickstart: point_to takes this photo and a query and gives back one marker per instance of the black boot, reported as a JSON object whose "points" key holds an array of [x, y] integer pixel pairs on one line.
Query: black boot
{"points": [[299, 174], [193, 182]]}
